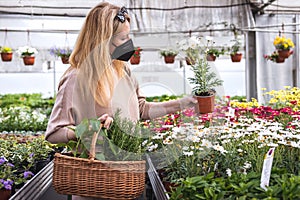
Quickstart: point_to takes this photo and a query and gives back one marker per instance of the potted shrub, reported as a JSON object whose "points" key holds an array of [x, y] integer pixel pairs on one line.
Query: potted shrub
{"points": [[6, 53], [204, 81], [136, 57], [235, 55], [190, 47], [283, 45], [63, 53], [28, 54], [169, 55]]}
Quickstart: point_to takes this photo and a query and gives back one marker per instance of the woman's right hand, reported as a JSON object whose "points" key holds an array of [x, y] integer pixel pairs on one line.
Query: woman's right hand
{"points": [[106, 120]]}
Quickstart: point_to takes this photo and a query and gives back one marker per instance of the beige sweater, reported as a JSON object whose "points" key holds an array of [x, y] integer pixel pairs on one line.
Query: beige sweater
{"points": [[74, 103]]}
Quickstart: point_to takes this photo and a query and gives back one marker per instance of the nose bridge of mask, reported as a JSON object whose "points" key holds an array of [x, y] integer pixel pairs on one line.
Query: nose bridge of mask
{"points": [[123, 51]]}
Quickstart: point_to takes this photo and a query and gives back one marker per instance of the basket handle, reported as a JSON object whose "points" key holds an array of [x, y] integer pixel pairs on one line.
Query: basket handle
{"points": [[93, 145]]}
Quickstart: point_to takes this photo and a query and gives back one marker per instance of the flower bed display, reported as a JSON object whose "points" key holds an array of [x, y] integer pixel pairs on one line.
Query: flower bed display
{"points": [[221, 155], [23, 149]]}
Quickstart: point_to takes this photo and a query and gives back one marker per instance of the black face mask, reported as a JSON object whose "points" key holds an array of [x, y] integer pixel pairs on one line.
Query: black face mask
{"points": [[124, 51]]}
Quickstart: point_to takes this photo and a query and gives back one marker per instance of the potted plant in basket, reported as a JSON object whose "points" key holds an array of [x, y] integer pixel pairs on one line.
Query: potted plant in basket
{"points": [[63, 53], [6, 53], [205, 82], [235, 55], [169, 55], [191, 48], [28, 54], [283, 45], [136, 57]]}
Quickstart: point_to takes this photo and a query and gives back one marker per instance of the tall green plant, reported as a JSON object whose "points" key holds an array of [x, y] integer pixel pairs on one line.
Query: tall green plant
{"points": [[204, 79]]}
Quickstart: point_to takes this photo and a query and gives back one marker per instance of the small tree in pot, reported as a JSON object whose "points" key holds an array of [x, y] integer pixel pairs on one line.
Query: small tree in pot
{"points": [[205, 81]]}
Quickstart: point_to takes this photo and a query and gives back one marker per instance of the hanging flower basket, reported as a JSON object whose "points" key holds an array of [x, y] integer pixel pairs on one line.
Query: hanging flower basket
{"points": [[6, 57], [236, 57], [135, 60], [65, 59], [283, 45], [169, 55], [63, 53], [6, 53], [28, 60], [211, 57]]}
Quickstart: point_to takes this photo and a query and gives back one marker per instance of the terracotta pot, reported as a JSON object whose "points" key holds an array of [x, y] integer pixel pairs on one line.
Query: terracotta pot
{"points": [[206, 104], [135, 60], [211, 57], [65, 59], [169, 59], [280, 60], [189, 61], [28, 60], [4, 194], [6, 57], [284, 53], [236, 57]]}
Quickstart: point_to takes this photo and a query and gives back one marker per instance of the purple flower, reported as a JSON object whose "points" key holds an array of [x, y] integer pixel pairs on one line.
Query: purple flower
{"points": [[31, 155], [28, 174], [10, 165], [8, 184], [2, 160]]}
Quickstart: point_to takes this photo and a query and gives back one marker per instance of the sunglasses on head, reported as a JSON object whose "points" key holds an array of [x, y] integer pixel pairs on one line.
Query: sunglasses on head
{"points": [[121, 14]]}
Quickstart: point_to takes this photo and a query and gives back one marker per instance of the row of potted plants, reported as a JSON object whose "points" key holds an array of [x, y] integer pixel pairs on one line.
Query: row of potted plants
{"points": [[191, 49], [28, 54]]}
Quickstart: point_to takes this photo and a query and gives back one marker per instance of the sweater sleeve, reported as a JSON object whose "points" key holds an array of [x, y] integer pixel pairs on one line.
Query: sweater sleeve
{"points": [[151, 110], [61, 118]]}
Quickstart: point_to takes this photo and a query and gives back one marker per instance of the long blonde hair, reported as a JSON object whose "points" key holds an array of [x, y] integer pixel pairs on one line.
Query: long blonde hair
{"points": [[91, 55]]}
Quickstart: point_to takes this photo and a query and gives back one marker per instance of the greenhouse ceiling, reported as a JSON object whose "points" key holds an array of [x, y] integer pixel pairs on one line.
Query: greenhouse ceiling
{"points": [[79, 8]]}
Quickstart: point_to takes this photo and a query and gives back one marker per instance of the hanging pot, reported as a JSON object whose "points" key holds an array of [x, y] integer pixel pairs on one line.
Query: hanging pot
{"points": [[211, 57], [169, 59], [135, 60], [206, 104], [6, 57], [236, 57], [189, 61], [28, 60], [65, 59], [284, 53]]}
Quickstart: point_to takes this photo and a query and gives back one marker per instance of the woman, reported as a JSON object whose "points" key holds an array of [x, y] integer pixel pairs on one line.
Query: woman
{"points": [[99, 82]]}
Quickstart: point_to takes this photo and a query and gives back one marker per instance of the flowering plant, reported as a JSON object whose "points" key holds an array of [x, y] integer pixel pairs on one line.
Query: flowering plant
{"points": [[8, 175], [283, 43], [191, 47], [272, 57], [61, 52], [5, 49], [168, 52], [137, 52], [27, 51]]}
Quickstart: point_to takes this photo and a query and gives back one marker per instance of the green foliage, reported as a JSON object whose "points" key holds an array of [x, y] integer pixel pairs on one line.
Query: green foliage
{"points": [[215, 51], [234, 49], [162, 98], [204, 79], [122, 141], [238, 186]]}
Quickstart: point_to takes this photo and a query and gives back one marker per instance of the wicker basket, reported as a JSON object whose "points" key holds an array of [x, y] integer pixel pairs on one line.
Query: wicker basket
{"points": [[100, 179]]}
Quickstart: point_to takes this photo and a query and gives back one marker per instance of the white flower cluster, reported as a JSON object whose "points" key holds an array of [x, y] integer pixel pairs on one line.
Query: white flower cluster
{"points": [[26, 51]]}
